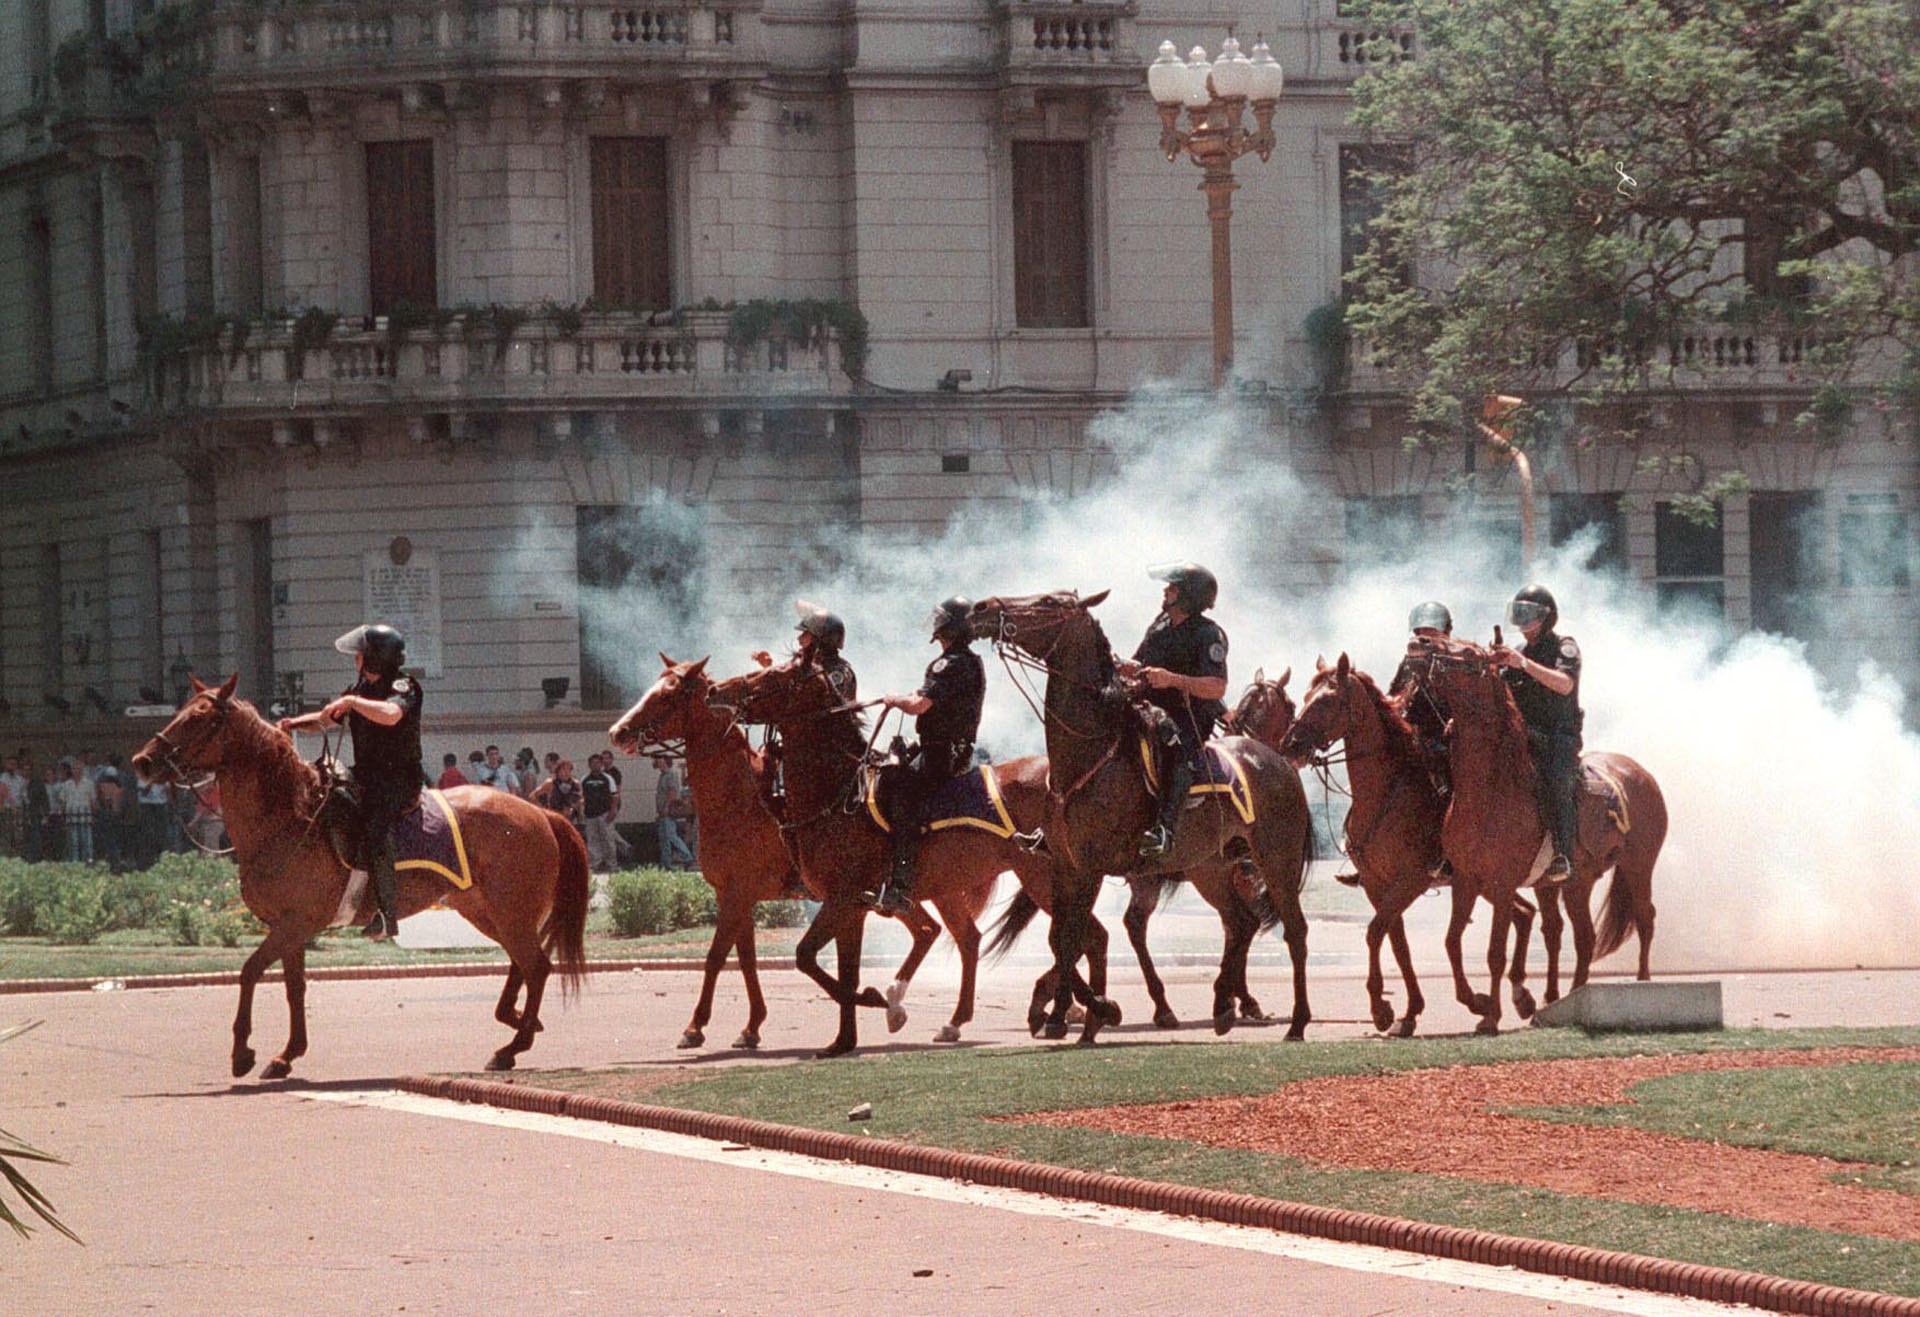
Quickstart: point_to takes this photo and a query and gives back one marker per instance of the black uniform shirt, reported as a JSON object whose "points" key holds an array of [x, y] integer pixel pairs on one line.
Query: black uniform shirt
{"points": [[389, 756], [1541, 708], [956, 682], [596, 793], [1196, 647], [1423, 708], [839, 674]]}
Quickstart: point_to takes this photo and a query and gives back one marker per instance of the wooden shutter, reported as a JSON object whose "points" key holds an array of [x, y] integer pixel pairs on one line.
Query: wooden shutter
{"points": [[400, 229], [631, 265], [1050, 235]]}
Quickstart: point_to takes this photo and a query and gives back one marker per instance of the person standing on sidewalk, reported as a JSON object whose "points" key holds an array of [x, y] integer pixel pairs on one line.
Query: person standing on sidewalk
{"points": [[669, 806], [600, 806]]}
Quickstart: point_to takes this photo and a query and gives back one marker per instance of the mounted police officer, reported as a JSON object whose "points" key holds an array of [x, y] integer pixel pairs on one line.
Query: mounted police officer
{"points": [[946, 712], [817, 641], [1544, 677], [1183, 662], [382, 711], [1429, 622]]}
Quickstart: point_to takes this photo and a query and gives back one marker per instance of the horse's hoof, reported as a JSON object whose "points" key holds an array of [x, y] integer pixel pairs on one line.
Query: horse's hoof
{"points": [[1086, 1039], [1296, 1034], [1053, 1031], [1382, 1016], [1076, 1014], [500, 1060], [896, 1018], [277, 1069], [1035, 1023], [748, 1041], [1523, 1005], [1487, 1028], [1406, 1027], [1164, 1018], [1223, 1022], [1108, 1010], [949, 1033], [835, 1049], [243, 1062], [1250, 1010], [691, 1038], [870, 997]]}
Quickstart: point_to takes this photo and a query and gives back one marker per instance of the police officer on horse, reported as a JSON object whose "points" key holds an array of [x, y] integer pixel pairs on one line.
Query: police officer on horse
{"points": [[1544, 676], [946, 712], [382, 712], [1429, 622], [817, 641], [1183, 663]]}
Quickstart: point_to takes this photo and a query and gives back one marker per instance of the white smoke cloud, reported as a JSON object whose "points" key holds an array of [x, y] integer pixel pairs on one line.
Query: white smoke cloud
{"points": [[1795, 805]]}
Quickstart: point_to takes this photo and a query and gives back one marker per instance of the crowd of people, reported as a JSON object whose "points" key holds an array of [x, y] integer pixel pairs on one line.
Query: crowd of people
{"points": [[89, 809]]}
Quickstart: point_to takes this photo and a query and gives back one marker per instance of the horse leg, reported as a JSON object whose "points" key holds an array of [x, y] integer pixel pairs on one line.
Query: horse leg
{"points": [[1643, 912], [924, 932], [1237, 927], [1142, 895], [1044, 990], [1463, 899], [806, 953], [850, 929], [1293, 927], [1552, 928], [507, 1009], [1403, 956], [1523, 1004], [749, 1038], [726, 933], [1385, 916], [957, 913], [1069, 937], [294, 967], [273, 947], [528, 961], [1496, 964]]}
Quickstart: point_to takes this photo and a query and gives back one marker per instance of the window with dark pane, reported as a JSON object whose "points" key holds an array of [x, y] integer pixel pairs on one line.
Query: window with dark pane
{"points": [[1784, 557], [401, 246], [1599, 515], [1874, 550], [1689, 562], [1050, 235], [641, 570], [1363, 169], [631, 231]]}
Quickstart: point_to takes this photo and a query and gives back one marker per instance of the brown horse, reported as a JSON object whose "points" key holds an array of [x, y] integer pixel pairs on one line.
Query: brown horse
{"points": [[842, 854], [1493, 833], [1393, 826], [745, 859], [1101, 800], [529, 868]]}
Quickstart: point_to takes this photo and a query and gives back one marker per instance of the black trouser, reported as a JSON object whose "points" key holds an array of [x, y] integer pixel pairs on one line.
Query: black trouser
{"points": [[381, 805], [1556, 772], [1186, 764], [937, 763]]}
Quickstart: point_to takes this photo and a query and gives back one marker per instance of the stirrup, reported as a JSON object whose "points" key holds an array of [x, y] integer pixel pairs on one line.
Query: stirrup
{"points": [[1558, 870], [380, 928], [891, 900], [1347, 879], [1157, 841]]}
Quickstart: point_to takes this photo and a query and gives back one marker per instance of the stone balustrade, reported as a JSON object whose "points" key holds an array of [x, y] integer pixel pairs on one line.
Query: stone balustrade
{"points": [[1719, 357], [1092, 40], [607, 360]]}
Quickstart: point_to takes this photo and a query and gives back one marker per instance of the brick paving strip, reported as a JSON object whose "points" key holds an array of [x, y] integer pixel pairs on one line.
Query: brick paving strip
{"points": [[460, 970], [1600, 1266]]}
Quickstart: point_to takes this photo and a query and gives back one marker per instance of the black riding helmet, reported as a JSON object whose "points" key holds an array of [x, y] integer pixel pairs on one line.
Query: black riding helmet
{"points": [[384, 647], [1196, 585], [951, 616], [1432, 614], [824, 627], [1533, 604]]}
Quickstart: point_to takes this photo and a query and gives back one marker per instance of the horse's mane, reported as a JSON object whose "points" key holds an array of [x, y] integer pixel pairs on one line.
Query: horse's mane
{"points": [[288, 784], [1392, 721]]}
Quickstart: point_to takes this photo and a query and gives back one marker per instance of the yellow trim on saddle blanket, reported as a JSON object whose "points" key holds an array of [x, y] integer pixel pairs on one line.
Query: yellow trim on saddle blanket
{"points": [[464, 879], [1237, 790], [1002, 830], [1617, 807]]}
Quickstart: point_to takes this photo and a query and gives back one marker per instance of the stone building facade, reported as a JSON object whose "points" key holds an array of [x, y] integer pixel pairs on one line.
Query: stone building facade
{"points": [[464, 300]]}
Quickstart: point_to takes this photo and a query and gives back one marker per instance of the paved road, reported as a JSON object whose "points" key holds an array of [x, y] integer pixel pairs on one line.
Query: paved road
{"points": [[198, 1195]]}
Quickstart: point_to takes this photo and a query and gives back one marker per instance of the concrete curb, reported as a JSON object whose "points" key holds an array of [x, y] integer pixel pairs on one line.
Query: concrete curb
{"points": [[1600, 1266], [231, 978]]}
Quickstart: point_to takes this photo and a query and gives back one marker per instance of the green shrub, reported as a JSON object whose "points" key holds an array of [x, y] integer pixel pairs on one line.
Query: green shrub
{"points": [[79, 912], [781, 914], [39, 900], [26, 896], [187, 924], [643, 901]]}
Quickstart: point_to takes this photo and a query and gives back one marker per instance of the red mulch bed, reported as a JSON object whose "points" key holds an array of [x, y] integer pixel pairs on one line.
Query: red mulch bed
{"points": [[1445, 1122]]}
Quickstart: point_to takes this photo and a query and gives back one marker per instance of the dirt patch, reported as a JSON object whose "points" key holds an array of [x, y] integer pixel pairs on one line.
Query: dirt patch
{"points": [[1445, 1122]]}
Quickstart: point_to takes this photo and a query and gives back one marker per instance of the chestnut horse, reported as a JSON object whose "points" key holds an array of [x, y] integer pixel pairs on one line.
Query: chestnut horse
{"points": [[1493, 833], [1264, 712], [745, 859], [529, 868], [1393, 826], [842, 854], [1101, 801]]}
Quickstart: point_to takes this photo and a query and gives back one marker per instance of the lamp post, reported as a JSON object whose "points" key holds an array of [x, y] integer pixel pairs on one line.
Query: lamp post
{"points": [[1215, 94]]}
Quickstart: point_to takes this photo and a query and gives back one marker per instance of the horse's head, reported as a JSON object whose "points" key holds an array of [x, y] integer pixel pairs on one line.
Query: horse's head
{"points": [[1463, 677], [788, 691], [1265, 712], [193, 744], [1034, 624], [1326, 710], [666, 711]]}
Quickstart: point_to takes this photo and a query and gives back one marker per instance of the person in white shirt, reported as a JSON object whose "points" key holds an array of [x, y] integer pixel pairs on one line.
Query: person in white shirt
{"points": [[74, 800], [495, 773], [13, 806]]}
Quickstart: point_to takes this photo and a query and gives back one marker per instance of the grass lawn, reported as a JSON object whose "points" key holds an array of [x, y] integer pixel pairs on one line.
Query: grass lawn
{"points": [[952, 1099], [118, 955]]}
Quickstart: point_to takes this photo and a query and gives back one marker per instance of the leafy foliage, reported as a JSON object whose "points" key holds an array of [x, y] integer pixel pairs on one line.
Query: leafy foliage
{"points": [[14, 1151], [1590, 180], [803, 321], [642, 901], [195, 899]]}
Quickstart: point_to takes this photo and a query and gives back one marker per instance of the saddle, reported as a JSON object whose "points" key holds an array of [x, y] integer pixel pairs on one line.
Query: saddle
{"points": [[340, 823]]}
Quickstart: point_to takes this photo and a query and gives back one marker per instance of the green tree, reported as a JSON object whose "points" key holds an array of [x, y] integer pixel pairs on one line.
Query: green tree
{"points": [[13, 1152], [1589, 180]]}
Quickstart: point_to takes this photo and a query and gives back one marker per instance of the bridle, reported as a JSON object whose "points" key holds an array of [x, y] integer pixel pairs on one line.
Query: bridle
{"points": [[741, 710], [170, 754], [1016, 660]]}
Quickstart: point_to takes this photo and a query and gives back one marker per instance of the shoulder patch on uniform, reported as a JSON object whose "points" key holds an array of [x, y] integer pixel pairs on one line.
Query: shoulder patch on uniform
{"points": [[1568, 649], [1219, 651], [939, 665], [402, 686]]}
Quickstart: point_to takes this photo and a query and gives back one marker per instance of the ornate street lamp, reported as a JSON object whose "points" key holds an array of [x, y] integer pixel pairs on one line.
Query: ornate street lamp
{"points": [[1215, 94]]}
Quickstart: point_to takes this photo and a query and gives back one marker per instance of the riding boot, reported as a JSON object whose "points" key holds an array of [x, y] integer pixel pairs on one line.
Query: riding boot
{"points": [[386, 885], [896, 897], [1159, 839]]}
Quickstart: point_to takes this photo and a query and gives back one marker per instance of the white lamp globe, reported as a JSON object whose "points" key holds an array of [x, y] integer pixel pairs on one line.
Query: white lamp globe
{"points": [[1167, 76], [1232, 71], [1198, 94], [1268, 78]]}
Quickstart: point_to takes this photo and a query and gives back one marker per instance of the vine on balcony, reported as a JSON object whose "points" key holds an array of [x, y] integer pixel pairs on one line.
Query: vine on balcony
{"points": [[806, 320]]}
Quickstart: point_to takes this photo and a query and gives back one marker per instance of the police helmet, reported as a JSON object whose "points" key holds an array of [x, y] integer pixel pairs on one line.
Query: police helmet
{"points": [[384, 647], [1533, 604], [824, 627], [1196, 585], [1432, 615], [950, 615]]}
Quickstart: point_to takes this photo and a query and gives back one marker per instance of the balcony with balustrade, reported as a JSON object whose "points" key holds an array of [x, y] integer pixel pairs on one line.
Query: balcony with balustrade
{"points": [[278, 370], [1069, 44]]}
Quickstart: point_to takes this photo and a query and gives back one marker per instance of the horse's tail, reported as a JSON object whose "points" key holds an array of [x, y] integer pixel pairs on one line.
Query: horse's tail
{"points": [[1006, 930], [564, 933], [1616, 919]]}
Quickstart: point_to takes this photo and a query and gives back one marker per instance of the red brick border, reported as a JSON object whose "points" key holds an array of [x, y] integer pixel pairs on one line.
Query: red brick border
{"points": [[1628, 1270], [231, 978]]}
